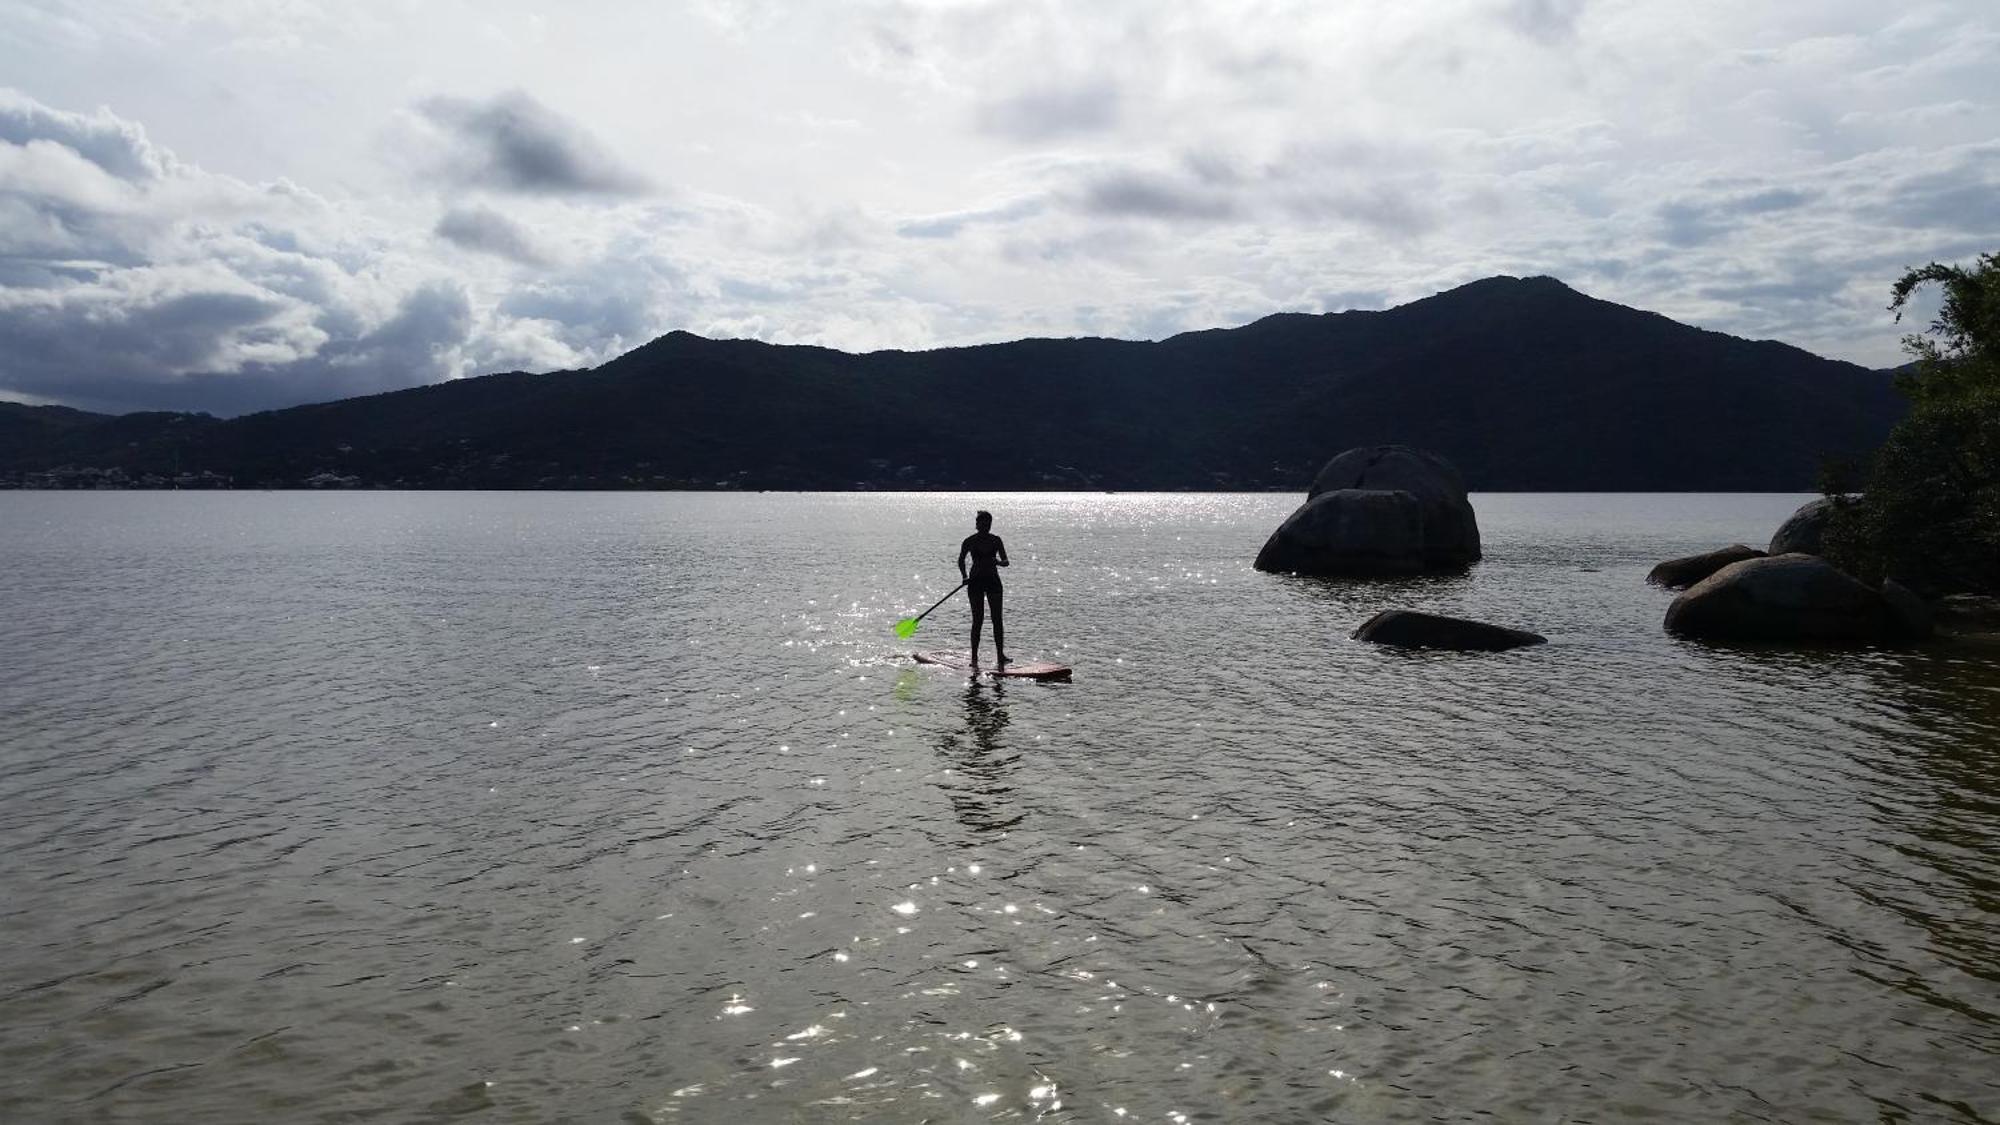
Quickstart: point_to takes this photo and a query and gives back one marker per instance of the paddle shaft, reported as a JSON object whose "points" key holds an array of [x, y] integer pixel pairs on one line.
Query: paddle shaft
{"points": [[941, 601]]}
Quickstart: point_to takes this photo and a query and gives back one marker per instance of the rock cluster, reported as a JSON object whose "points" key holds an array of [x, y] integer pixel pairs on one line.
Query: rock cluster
{"points": [[1792, 595], [1793, 598]]}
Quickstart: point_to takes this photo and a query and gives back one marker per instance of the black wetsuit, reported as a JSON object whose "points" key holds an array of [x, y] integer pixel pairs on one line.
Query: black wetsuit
{"points": [[982, 584]]}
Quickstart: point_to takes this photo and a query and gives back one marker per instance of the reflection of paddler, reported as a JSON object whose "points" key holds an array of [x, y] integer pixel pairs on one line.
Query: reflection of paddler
{"points": [[979, 783], [986, 718], [982, 582]]}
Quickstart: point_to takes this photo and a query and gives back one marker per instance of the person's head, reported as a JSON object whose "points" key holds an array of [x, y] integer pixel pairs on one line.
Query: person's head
{"points": [[983, 521]]}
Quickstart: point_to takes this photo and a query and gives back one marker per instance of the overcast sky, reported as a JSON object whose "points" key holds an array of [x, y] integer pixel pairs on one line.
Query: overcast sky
{"points": [[241, 204]]}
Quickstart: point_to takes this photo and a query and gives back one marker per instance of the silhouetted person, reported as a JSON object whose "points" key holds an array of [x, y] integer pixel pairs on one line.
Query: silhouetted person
{"points": [[982, 583]]}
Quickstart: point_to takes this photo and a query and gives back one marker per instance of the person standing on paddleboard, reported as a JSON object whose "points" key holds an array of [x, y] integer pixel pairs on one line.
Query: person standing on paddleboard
{"points": [[982, 582]]}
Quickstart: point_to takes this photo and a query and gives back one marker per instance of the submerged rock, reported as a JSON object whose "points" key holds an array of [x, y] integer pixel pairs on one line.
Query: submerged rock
{"points": [[1378, 510], [1787, 598], [1409, 629], [1804, 531], [1679, 574]]}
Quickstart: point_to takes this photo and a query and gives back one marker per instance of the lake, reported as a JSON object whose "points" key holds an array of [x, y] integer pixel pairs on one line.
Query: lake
{"points": [[341, 807]]}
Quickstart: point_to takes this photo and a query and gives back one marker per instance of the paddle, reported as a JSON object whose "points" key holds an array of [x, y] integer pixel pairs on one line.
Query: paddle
{"points": [[908, 625]]}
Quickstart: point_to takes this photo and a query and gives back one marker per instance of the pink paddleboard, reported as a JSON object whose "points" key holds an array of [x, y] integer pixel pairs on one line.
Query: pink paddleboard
{"points": [[1018, 669]]}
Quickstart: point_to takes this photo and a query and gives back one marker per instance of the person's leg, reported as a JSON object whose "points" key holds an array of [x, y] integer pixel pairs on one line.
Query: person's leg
{"points": [[999, 636], [978, 615]]}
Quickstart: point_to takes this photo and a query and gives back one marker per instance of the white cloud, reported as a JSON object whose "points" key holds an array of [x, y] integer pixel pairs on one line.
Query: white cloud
{"points": [[131, 279], [118, 147]]}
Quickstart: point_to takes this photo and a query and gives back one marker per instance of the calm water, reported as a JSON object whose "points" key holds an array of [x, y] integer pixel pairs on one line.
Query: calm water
{"points": [[359, 807]]}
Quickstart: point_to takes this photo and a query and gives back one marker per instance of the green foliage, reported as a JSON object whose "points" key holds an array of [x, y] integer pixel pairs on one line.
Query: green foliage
{"points": [[1930, 506], [1958, 356]]}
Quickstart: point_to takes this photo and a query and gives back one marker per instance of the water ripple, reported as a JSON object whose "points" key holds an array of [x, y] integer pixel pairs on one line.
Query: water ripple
{"points": [[427, 807]]}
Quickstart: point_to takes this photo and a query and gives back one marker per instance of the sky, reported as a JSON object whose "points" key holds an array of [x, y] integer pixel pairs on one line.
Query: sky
{"points": [[245, 204]]}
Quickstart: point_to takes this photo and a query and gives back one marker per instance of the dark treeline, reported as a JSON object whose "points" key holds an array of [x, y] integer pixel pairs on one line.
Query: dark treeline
{"points": [[1525, 384], [1928, 513]]}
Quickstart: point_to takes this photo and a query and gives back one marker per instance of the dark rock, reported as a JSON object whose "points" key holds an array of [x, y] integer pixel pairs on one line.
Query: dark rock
{"points": [[1679, 574], [1451, 531], [1352, 532], [1378, 510], [1409, 629], [1913, 613], [1804, 531], [1389, 467], [1785, 599]]}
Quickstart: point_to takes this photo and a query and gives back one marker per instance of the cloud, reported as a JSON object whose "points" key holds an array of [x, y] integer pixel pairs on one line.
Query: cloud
{"points": [[1545, 21], [1803, 283], [486, 231], [1694, 222], [1690, 224], [118, 147], [1150, 195], [949, 224], [130, 280], [1387, 206], [513, 143], [1960, 192], [418, 344], [1345, 182], [1046, 114], [152, 322], [1766, 202], [586, 312]]}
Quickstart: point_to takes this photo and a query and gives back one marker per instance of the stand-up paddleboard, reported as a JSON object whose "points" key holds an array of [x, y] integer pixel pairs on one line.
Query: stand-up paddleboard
{"points": [[1017, 669]]}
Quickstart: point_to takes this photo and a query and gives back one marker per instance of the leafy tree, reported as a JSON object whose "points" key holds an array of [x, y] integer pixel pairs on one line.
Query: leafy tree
{"points": [[1929, 512]]}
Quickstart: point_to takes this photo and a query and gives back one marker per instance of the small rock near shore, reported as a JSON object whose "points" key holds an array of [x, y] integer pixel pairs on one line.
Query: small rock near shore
{"points": [[1679, 574], [1406, 628]]}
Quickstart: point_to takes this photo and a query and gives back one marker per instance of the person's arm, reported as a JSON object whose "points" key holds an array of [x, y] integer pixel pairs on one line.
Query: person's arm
{"points": [[962, 549], [1001, 550]]}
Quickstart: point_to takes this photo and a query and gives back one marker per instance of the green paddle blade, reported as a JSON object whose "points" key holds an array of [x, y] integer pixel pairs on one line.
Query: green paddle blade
{"points": [[906, 628]]}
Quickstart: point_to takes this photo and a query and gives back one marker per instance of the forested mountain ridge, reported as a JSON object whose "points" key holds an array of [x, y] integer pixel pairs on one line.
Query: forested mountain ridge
{"points": [[1525, 384]]}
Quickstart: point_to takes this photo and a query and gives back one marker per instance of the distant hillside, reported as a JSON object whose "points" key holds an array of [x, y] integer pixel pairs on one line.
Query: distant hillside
{"points": [[1524, 383]]}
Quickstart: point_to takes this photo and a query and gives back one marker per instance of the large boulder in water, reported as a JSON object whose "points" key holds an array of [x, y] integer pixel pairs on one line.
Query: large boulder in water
{"points": [[1451, 531], [1786, 599], [1409, 629], [1804, 531], [1679, 574], [1353, 532], [1378, 510]]}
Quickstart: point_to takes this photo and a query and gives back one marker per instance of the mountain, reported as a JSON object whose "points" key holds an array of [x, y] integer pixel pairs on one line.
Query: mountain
{"points": [[1525, 383]]}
